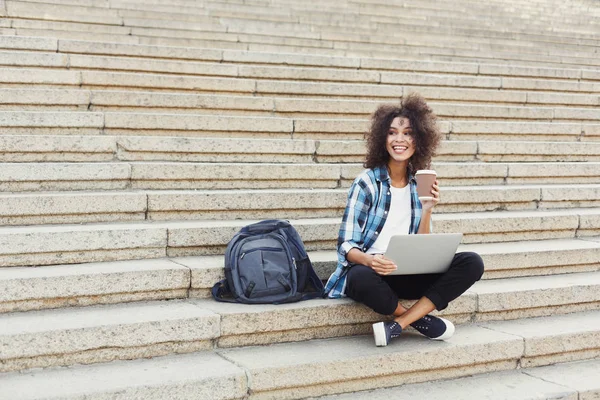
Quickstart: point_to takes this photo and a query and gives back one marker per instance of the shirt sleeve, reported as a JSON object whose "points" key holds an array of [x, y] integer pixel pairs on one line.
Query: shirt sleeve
{"points": [[354, 221]]}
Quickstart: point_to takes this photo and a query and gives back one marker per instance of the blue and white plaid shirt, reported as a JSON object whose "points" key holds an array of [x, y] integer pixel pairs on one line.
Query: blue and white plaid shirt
{"points": [[366, 212]]}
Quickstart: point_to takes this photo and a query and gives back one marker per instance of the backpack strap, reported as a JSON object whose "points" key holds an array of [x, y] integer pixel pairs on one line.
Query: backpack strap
{"points": [[312, 295], [219, 290]]}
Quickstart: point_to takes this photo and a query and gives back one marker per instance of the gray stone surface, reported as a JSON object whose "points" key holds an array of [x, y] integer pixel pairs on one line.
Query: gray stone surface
{"points": [[26, 43], [330, 126], [559, 130], [197, 123], [57, 176], [235, 175], [498, 385], [178, 102], [80, 243], [328, 89], [65, 335], [87, 47], [205, 272], [29, 148], [215, 150], [67, 203], [48, 119], [536, 296], [61, 12], [150, 65], [56, 286], [246, 204], [34, 59], [580, 376], [308, 368], [316, 74], [290, 59], [538, 151], [36, 76], [100, 79], [554, 172], [561, 98], [562, 196], [478, 227], [509, 225], [440, 80], [425, 66], [538, 72], [202, 376], [45, 97], [450, 174], [488, 198], [555, 338], [536, 257]]}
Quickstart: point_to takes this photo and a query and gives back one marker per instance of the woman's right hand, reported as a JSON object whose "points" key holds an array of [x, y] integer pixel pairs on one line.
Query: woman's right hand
{"points": [[382, 265]]}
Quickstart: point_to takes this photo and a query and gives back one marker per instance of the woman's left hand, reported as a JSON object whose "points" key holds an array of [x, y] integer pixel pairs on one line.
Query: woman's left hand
{"points": [[435, 192]]}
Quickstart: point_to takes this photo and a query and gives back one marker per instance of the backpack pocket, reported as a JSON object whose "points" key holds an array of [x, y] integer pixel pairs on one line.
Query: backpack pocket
{"points": [[265, 268]]}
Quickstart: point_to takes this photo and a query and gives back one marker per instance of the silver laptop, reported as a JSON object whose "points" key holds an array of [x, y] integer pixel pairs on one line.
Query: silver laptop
{"points": [[423, 254]]}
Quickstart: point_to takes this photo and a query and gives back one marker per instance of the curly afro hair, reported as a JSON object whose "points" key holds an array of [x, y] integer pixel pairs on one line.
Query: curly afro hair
{"points": [[423, 122]]}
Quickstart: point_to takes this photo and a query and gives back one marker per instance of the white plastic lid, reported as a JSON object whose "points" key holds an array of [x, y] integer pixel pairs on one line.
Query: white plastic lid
{"points": [[426, 171]]}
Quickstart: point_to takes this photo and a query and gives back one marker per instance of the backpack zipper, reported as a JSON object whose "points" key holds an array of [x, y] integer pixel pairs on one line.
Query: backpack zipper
{"points": [[261, 249]]}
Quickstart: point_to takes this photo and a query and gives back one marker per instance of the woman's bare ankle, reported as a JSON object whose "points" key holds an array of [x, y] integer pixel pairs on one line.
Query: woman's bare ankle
{"points": [[399, 311]]}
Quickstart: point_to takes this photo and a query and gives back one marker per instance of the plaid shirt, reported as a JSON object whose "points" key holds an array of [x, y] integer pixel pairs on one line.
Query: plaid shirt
{"points": [[366, 212]]}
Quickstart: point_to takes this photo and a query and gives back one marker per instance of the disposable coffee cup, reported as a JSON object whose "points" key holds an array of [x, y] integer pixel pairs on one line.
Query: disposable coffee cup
{"points": [[425, 180]]}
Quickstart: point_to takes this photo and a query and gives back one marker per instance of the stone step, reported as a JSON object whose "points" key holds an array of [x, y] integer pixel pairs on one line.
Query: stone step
{"points": [[47, 148], [490, 300], [246, 57], [298, 24], [59, 244], [251, 204], [255, 12], [484, 227], [204, 375], [319, 367], [502, 260], [240, 25], [43, 78], [89, 207], [18, 9], [89, 335], [25, 289], [67, 46], [21, 177], [575, 380], [57, 122], [264, 42], [152, 102], [192, 68], [207, 375], [57, 286], [99, 334]]}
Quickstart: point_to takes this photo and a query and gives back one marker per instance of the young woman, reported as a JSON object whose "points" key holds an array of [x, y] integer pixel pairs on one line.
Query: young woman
{"points": [[383, 202]]}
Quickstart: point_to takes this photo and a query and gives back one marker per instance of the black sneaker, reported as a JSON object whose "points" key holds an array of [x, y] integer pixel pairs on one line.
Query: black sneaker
{"points": [[434, 327], [384, 332]]}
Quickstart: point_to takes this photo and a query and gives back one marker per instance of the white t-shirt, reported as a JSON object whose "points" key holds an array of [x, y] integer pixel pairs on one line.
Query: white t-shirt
{"points": [[397, 221]]}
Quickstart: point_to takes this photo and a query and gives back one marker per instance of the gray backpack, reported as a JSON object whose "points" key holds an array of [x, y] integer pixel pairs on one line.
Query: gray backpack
{"points": [[266, 262]]}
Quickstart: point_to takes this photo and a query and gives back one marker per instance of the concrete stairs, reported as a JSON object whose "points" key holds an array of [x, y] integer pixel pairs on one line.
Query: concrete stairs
{"points": [[137, 138], [320, 367], [431, 31]]}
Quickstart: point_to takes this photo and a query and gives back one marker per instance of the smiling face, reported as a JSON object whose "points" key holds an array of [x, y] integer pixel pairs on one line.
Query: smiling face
{"points": [[400, 143]]}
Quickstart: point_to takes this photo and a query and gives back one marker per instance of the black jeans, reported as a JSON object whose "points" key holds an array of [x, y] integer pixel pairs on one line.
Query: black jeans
{"points": [[381, 293]]}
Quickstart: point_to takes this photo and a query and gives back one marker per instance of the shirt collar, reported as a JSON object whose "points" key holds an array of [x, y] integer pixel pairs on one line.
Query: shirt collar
{"points": [[382, 175]]}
